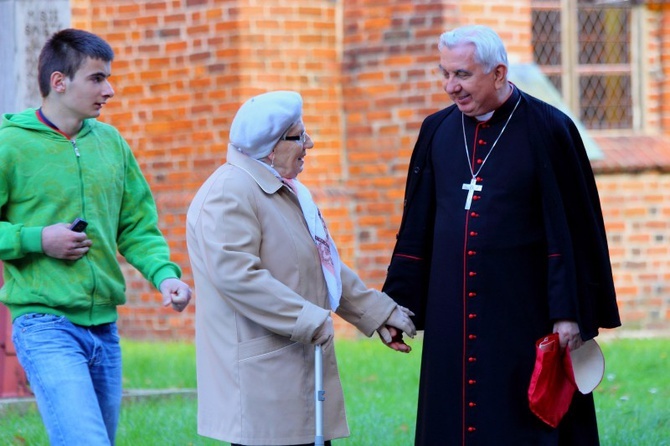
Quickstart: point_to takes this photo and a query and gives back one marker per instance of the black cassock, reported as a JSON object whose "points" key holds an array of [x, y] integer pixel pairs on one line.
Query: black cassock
{"points": [[488, 281]]}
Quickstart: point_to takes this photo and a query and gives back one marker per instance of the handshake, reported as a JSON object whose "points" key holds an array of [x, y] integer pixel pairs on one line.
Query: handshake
{"points": [[392, 329]]}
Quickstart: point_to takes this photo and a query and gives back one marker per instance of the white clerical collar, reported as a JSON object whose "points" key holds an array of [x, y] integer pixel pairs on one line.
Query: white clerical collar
{"points": [[485, 116]]}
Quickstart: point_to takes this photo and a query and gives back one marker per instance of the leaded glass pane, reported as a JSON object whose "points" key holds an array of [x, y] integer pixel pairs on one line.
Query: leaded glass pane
{"points": [[556, 80], [606, 101], [604, 36], [547, 37], [602, 54]]}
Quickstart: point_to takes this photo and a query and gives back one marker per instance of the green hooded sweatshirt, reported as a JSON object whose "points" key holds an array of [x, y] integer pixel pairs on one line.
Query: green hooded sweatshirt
{"points": [[46, 179]]}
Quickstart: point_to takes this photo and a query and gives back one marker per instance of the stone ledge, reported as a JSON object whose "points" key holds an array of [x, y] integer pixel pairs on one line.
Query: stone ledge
{"points": [[130, 394]]}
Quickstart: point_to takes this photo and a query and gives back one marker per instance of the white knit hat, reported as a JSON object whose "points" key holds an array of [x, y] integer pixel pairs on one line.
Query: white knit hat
{"points": [[262, 120]]}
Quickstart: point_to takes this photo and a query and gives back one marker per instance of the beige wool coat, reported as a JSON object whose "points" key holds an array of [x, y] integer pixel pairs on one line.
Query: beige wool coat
{"points": [[260, 297]]}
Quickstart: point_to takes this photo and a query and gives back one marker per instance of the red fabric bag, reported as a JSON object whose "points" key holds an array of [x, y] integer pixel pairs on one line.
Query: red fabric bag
{"points": [[552, 384]]}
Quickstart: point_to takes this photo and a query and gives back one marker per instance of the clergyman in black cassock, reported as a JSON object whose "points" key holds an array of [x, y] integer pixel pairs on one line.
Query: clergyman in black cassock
{"points": [[501, 242]]}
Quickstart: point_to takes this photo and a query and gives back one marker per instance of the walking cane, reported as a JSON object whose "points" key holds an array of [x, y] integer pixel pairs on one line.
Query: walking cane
{"points": [[319, 395]]}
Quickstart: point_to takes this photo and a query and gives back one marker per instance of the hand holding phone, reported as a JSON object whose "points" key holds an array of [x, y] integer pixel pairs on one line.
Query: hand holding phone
{"points": [[78, 225]]}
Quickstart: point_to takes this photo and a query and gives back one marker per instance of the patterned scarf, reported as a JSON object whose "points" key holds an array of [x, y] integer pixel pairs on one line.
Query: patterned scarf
{"points": [[330, 259]]}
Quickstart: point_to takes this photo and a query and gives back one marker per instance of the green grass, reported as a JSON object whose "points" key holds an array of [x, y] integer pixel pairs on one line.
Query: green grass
{"points": [[633, 401], [380, 391]]}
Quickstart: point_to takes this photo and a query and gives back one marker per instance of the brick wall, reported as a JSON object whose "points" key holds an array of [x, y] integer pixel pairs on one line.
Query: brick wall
{"points": [[636, 209], [635, 199], [367, 72], [664, 43], [182, 69], [390, 84]]}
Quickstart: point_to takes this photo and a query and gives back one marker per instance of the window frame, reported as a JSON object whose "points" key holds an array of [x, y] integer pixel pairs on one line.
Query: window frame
{"points": [[571, 71]]}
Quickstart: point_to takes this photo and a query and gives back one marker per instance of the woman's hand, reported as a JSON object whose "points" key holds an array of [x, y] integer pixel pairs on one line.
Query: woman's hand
{"points": [[324, 333], [391, 332]]}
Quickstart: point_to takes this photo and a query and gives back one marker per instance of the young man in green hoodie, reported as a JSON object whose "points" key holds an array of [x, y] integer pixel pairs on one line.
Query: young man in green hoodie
{"points": [[58, 163]]}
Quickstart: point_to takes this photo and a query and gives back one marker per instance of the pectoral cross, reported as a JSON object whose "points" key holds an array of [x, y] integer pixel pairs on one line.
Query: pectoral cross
{"points": [[471, 188]]}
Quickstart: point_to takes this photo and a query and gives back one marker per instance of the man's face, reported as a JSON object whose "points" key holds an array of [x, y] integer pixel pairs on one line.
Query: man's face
{"points": [[88, 91], [464, 80]]}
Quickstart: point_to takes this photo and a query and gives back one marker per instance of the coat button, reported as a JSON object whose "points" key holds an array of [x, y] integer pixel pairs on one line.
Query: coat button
{"points": [[472, 404], [474, 214], [476, 197], [472, 274], [472, 359], [472, 382], [473, 234], [479, 160], [472, 315], [471, 429], [472, 337], [472, 294], [481, 141], [472, 253]]}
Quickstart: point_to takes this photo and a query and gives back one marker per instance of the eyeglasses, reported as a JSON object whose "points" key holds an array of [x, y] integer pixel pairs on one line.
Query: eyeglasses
{"points": [[301, 137]]}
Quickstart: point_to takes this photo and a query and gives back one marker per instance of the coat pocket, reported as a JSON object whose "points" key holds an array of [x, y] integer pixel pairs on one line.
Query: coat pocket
{"points": [[275, 394]]}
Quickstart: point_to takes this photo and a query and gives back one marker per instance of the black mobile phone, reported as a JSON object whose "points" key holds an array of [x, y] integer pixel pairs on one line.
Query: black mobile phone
{"points": [[78, 225]]}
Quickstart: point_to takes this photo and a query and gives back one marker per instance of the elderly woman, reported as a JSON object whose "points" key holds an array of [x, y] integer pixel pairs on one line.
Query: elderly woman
{"points": [[267, 275]]}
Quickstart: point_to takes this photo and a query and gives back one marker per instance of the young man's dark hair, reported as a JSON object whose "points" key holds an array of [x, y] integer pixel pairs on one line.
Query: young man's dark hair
{"points": [[65, 51]]}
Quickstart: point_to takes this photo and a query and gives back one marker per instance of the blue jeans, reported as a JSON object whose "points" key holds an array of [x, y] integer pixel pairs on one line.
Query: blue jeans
{"points": [[75, 374]]}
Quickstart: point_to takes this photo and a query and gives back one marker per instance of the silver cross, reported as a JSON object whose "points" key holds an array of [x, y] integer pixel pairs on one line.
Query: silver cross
{"points": [[471, 188]]}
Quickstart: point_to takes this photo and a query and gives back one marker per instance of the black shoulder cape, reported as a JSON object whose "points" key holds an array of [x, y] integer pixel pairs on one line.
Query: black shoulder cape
{"points": [[571, 209]]}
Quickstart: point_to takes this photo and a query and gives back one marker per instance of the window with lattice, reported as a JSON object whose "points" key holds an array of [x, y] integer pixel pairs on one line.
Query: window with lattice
{"points": [[585, 49]]}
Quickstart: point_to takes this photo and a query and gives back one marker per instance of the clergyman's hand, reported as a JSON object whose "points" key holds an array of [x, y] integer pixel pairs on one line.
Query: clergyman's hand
{"points": [[391, 332], [397, 342], [175, 292], [568, 334]]}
